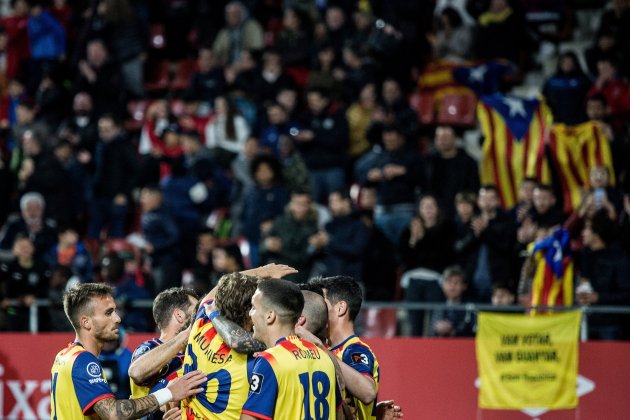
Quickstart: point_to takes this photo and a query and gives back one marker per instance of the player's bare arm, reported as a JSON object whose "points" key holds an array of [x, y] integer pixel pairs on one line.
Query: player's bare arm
{"points": [[236, 337], [184, 387], [248, 417], [147, 365]]}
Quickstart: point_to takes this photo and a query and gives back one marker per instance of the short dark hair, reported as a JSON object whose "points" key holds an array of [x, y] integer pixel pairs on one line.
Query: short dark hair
{"points": [[234, 296], [315, 312], [271, 161], [344, 288], [167, 301], [602, 226], [489, 187], [544, 187], [454, 270], [76, 301], [284, 297]]}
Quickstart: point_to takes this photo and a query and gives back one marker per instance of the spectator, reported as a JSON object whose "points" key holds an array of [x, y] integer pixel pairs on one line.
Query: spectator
{"points": [[208, 82], [17, 50], [397, 174], [80, 128], [293, 41], [226, 259], [487, 250], [323, 143], [271, 78], [51, 98], [74, 179], [112, 170], [161, 236], [448, 322], [344, 240], [566, 90], [202, 268], [428, 240], [24, 278], [394, 109], [466, 210], [358, 70], [264, 202], [47, 42], [502, 295], [322, 75], [605, 46], [450, 169], [287, 240], [617, 21], [612, 86], [294, 169], [29, 223], [544, 211], [227, 132], [99, 77], [241, 167], [336, 27], [521, 210], [240, 33], [57, 319], [70, 252], [278, 125], [115, 359], [604, 276], [359, 117], [453, 40]]}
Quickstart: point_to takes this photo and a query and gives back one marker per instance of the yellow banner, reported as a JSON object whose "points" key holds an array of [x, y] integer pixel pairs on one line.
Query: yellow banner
{"points": [[526, 361]]}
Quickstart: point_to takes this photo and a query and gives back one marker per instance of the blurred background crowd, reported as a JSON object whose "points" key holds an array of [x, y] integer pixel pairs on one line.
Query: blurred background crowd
{"points": [[150, 144]]}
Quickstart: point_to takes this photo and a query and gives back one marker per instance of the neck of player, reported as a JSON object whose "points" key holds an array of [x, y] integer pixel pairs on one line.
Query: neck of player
{"points": [[89, 343], [277, 333], [339, 331]]}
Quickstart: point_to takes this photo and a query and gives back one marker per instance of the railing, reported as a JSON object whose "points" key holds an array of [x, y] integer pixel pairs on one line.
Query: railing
{"points": [[401, 307]]}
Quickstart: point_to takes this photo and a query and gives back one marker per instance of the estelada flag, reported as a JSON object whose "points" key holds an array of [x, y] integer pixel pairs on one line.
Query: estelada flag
{"points": [[514, 131], [574, 150], [553, 278]]}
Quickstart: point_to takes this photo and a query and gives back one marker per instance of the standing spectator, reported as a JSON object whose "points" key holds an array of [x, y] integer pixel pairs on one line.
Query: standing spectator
{"points": [[47, 41], [287, 240], [323, 144], [17, 50], [428, 240], [544, 211], [25, 278], [100, 78], [397, 174], [604, 276], [227, 132], [208, 82], [113, 168], [614, 88], [343, 241], [80, 127], [293, 43], [566, 90], [240, 33], [161, 236], [487, 250], [359, 116], [453, 40], [270, 78], [450, 170], [264, 202], [29, 223]]}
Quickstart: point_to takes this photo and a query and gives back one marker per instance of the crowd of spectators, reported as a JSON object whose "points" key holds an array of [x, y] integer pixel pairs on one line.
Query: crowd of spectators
{"points": [[150, 143]]}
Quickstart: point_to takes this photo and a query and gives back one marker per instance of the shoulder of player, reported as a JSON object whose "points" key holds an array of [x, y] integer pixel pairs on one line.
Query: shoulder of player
{"points": [[145, 347], [86, 364]]}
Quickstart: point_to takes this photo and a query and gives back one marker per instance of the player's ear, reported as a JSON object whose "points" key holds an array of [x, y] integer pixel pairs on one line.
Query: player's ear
{"points": [[270, 317], [342, 308], [85, 322], [301, 320]]}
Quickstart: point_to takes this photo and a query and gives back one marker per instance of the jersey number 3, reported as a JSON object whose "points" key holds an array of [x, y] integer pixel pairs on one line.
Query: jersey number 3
{"points": [[320, 384]]}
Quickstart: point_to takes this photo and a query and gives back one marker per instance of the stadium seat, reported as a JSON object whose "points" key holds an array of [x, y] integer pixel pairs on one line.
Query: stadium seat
{"points": [[157, 76], [424, 105], [137, 111], [183, 73], [380, 322], [457, 109], [157, 38]]}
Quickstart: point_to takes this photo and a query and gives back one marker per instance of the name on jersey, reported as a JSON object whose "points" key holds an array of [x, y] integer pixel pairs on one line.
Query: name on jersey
{"points": [[211, 356], [306, 354]]}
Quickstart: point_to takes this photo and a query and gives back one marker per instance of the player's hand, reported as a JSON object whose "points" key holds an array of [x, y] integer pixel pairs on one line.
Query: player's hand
{"points": [[277, 271], [305, 334], [386, 410], [187, 385], [173, 414]]}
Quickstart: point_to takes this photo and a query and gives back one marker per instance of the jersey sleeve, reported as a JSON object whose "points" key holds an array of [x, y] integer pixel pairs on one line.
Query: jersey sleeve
{"points": [[142, 349], [263, 390], [89, 383], [360, 358]]}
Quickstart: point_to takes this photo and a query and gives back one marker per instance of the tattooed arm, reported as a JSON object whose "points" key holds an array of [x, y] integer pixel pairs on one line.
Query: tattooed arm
{"points": [[236, 337], [111, 408]]}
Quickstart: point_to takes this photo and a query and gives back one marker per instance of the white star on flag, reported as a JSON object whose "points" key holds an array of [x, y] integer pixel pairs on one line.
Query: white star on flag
{"points": [[516, 106], [477, 73]]}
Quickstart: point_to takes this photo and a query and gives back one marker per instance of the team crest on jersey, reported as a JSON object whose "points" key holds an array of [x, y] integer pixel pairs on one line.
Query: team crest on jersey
{"points": [[256, 383], [360, 358], [93, 369], [141, 350]]}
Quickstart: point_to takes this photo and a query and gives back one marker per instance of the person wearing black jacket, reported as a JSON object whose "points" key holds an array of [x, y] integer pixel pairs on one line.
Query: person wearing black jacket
{"points": [[604, 276], [323, 144], [112, 168]]}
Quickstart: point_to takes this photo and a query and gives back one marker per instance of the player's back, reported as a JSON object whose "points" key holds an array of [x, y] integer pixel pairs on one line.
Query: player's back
{"points": [[358, 355], [77, 383], [225, 392], [303, 377]]}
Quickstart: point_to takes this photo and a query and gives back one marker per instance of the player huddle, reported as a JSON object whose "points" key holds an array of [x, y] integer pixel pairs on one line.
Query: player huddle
{"points": [[255, 347]]}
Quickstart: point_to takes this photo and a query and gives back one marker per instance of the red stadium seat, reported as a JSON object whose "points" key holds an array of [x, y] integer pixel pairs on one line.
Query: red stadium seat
{"points": [[157, 76], [183, 74], [380, 323], [457, 109], [157, 37], [424, 105]]}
